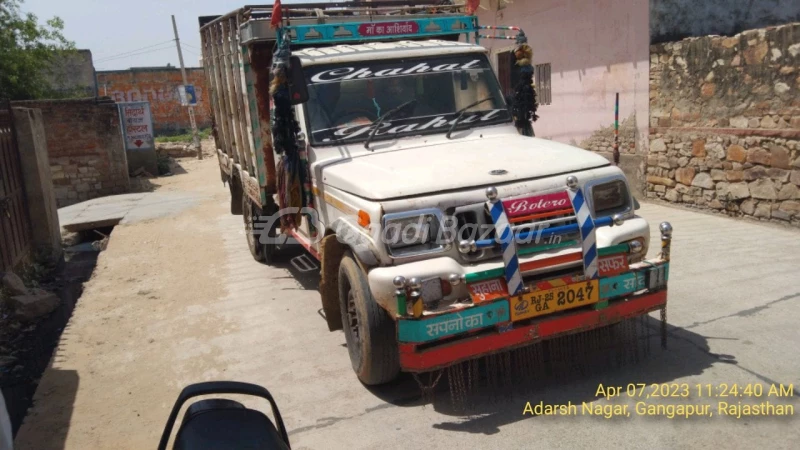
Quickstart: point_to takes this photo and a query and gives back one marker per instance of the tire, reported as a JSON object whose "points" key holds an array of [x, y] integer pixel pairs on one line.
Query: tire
{"points": [[263, 250], [369, 331], [250, 214], [237, 196], [270, 250]]}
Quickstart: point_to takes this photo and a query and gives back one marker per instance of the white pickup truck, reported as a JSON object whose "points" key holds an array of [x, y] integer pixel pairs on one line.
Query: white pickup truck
{"points": [[443, 234]]}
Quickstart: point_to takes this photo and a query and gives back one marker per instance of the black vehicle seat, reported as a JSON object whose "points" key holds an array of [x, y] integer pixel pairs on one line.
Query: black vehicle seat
{"points": [[226, 424]]}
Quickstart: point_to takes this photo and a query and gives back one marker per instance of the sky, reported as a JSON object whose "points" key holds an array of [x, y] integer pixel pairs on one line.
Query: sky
{"points": [[114, 29]]}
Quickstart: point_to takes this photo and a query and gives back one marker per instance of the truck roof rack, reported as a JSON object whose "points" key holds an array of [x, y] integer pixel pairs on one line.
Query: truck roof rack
{"points": [[324, 24]]}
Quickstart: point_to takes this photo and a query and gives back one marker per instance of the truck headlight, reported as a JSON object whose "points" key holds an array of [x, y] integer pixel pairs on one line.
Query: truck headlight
{"points": [[610, 198], [413, 233]]}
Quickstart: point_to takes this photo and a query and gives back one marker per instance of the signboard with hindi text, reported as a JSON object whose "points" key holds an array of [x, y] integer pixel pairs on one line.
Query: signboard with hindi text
{"points": [[388, 28], [137, 125]]}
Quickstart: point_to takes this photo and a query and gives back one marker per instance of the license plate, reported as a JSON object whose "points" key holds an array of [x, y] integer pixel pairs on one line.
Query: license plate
{"points": [[547, 301], [613, 265], [484, 291]]}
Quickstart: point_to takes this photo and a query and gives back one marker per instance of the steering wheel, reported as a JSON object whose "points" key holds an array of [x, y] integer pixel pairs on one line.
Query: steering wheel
{"points": [[354, 114]]}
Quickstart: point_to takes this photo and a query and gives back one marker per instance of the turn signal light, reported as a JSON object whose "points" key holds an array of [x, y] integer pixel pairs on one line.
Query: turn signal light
{"points": [[363, 218]]}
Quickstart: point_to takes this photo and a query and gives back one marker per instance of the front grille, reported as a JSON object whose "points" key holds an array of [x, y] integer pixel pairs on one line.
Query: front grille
{"points": [[473, 222]]}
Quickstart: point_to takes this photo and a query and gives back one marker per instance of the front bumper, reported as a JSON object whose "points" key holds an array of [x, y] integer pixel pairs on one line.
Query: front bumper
{"points": [[507, 336], [505, 321]]}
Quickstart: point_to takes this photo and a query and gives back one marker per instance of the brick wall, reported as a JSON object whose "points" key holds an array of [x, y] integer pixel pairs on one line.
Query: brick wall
{"points": [[725, 123], [159, 86], [85, 147]]}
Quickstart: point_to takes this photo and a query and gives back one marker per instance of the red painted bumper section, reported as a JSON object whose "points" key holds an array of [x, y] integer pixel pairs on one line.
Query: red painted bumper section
{"points": [[426, 359]]}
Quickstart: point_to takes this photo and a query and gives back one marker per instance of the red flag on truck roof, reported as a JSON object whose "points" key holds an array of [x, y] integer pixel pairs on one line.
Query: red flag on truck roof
{"points": [[276, 15], [472, 6]]}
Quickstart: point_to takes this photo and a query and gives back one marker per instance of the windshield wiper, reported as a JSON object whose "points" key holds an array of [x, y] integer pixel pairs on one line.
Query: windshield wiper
{"points": [[462, 111], [377, 123]]}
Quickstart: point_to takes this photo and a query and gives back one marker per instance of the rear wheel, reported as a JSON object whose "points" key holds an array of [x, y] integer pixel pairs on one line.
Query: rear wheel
{"points": [[250, 214], [261, 241], [368, 329], [237, 195]]}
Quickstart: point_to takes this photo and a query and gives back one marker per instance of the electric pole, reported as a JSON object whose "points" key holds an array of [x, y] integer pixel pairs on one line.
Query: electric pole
{"points": [[195, 137]]}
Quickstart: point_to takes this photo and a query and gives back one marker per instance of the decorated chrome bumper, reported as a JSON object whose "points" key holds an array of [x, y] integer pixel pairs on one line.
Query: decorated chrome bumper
{"points": [[504, 309]]}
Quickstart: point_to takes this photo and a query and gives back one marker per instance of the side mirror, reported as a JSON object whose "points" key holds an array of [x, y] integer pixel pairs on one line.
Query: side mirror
{"points": [[636, 204], [298, 90]]}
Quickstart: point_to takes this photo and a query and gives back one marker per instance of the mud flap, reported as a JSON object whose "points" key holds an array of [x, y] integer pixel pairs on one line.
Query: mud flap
{"points": [[332, 252]]}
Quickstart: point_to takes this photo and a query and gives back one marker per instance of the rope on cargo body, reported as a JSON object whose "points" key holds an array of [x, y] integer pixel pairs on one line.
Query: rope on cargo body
{"points": [[294, 177], [525, 104]]}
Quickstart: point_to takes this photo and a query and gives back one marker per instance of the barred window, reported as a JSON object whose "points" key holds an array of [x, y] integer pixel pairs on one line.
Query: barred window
{"points": [[542, 79]]}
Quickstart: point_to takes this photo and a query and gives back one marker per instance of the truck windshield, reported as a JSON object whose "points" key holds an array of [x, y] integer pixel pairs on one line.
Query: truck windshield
{"points": [[344, 99]]}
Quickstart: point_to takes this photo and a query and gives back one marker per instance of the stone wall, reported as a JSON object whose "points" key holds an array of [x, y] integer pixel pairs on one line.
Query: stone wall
{"points": [[725, 123], [85, 147], [159, 86], [602, 140]]}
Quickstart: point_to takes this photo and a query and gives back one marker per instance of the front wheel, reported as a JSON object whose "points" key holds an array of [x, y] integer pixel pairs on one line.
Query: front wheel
{"points": [[368, 329]]}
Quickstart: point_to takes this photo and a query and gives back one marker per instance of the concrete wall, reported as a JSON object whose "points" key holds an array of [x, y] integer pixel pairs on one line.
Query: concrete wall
{"points": [[725, 116], [85, 148], [596, 48], [671, 20], [73, 74], [42, 209], [159, 86]]}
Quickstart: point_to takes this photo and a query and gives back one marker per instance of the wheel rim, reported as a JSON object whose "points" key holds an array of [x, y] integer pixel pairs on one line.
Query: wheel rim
{"points": [[352, 319]]}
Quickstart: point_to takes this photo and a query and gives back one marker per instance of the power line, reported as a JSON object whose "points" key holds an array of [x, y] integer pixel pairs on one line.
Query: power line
{"points": [[106, 58], [133, 54], [190, 51], [191, 46]]}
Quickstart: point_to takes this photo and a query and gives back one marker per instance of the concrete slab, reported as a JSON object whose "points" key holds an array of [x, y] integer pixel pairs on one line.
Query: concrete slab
{"points": [[123, 209]]}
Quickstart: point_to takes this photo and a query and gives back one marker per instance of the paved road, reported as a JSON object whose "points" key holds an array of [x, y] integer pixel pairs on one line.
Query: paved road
{"points": [[734, 304]]}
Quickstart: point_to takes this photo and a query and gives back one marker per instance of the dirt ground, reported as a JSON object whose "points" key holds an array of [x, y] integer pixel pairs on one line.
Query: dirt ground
{"points": [[149, 270]]}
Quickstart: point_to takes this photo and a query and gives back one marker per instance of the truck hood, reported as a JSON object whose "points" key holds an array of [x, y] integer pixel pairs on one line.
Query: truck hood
{"points": [[456, 164]]}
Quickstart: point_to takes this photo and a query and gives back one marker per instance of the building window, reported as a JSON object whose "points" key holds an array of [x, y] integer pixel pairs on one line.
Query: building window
{"points": [[542, 80]]}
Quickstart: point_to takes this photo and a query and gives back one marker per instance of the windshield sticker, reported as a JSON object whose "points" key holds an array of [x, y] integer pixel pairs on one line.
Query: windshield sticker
{"points": [[412, 67], [404, 126]]}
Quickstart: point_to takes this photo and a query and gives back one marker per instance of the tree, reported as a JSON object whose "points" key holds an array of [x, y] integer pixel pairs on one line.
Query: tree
{"points": [[27, 52]]}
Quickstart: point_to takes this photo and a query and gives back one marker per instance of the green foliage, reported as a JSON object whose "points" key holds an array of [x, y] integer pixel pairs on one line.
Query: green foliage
{"points": [[187, 137], [27, 52]]}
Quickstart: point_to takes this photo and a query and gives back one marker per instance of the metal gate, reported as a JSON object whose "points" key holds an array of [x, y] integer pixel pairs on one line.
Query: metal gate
{"points": [[15, 226]]}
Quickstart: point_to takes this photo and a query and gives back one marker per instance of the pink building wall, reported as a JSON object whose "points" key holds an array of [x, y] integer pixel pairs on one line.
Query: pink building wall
{"points": [[596, 48]]}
